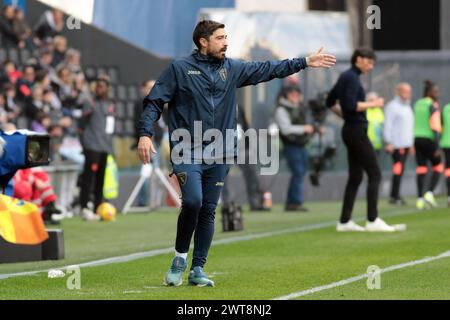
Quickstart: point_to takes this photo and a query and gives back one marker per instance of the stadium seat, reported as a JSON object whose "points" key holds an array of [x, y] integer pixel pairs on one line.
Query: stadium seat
{"points": [[112, 93], [13, 55], [121, 93], [133, 92], [119, 128], [101, 71], [113, 74], [130, 110], [36, 53], [129, 127], [24, 54], [90, 73], [120, 110], [2, 55]]}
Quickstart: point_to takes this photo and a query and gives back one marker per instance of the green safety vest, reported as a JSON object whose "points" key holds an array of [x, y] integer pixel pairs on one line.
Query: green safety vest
{"points": [[445, 139], [375, 119], [422, 115], [111, 182]]}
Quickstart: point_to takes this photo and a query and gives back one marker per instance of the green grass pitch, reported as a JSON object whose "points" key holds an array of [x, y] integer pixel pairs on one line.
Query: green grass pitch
{"points": [[304, 252]]}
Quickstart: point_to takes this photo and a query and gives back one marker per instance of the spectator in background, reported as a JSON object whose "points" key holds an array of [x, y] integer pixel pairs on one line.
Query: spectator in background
{"points": [[399, 136], [9, 73], [21, 29], [49, 25], [375, 120], [10, 38], [12, 108], [50, 98], [97, 129], [45, 63], [73, 61], [59, 54], [24, 85], [290, 116], [35, 106], [41, 122], [65, 87], [71, 148]]}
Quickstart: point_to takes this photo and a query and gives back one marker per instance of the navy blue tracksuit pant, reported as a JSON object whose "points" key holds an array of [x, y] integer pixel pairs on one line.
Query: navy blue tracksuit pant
{"points": [[201, 185]]}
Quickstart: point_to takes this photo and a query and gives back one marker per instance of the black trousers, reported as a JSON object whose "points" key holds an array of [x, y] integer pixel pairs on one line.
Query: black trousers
{"points": [[93, 178], [399, 157], [361, 157], [447, 169], [427, 151]]}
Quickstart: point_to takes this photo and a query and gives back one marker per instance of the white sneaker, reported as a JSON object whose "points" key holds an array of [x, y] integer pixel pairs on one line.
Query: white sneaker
{"points": [[88, 215], [349, 227], [379, 226]]}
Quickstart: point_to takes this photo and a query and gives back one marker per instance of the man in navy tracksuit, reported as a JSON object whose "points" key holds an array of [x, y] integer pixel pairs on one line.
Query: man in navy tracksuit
{"points": [[200, 89]]}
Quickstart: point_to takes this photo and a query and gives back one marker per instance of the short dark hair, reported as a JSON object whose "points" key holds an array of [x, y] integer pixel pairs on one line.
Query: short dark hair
{"points": [[205, 29], [290, 88], [41, 74], [428, 86], [363, 53]]}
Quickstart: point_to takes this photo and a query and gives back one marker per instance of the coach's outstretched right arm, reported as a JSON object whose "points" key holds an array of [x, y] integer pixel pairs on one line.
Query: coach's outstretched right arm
{"points": [[252, 73]]}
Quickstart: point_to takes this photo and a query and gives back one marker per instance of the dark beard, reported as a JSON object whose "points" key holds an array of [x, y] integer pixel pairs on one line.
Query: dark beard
{"points": [[216, 58]]}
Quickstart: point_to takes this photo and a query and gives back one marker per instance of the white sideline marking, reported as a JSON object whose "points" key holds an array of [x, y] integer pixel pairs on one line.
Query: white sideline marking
{"points": [[157, 252], [362, 276]]}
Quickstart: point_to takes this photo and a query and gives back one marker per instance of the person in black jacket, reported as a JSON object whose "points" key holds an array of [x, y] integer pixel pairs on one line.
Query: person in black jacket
{"points": [[10, 38], [361, 154], [49, 25]]}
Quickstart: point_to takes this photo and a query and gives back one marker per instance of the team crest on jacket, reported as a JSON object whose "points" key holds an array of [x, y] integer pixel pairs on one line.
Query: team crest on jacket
{"points": [[182, 178], [223, 74]]}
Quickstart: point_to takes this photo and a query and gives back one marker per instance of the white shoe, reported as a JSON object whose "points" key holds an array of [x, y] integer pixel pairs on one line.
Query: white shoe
{"points": [[349, 227], [379, 226], [88, 215]]}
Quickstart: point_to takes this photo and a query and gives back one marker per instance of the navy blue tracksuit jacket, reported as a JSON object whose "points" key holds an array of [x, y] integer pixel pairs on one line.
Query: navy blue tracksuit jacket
{"points": [[200, 88]]}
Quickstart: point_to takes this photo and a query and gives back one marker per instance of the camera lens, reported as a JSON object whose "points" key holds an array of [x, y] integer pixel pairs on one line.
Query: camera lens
{"points": [[34, 151], [38, 151]]}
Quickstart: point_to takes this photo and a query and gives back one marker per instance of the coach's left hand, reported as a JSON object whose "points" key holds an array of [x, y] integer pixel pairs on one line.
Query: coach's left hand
{"points": [[321, 60]]}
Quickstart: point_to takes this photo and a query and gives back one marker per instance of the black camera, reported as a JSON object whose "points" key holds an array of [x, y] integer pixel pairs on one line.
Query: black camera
{"points": [[20, 150], [319, 108], [319, 112]]}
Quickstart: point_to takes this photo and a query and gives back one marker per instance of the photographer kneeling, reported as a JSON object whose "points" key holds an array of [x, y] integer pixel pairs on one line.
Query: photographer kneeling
{"points": [[290, 116]]}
